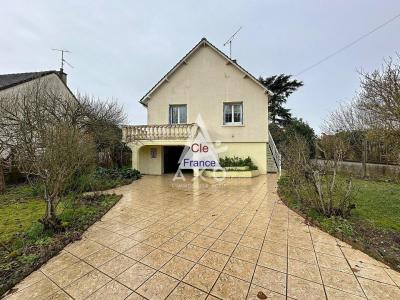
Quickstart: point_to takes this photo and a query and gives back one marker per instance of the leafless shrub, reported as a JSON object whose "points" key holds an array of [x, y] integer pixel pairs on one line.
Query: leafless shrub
{"points": [[317, 186], [49, 134]]}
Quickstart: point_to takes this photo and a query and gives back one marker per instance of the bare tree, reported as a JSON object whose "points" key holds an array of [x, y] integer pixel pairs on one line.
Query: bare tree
{"points": [[44, 128]]}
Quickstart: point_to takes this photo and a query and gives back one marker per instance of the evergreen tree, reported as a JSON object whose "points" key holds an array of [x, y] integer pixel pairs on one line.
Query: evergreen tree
{"points": [[282, 86]]}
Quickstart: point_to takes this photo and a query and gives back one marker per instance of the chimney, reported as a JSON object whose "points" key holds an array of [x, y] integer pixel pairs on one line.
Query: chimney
{"points": [[63, 75]]}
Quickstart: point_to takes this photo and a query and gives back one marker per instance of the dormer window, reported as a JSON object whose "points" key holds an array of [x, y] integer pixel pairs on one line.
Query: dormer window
{"points": [[178, 114], [233, 113]]}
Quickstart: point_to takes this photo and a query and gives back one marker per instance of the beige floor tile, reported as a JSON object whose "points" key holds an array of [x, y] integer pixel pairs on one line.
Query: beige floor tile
{"points": [[191, 252], [156, 240], [395, 276], [275, 247], [159, 286], [303, 289], [341, 281], [88, 284], [201, 277], [232, 237], [29, 280], [186, 292], [141, 235], [214, 260], [372, 272], [185, 236], [379, 291], [36, 291], [328, 249], [135, 296], [333, 262], [258, 293], [334, 294], [223, 247], [135, 275], [83, 248], [203, 241], [300, 243], [304, 270], [246, 253], [240, 269], [228, 287], [177, 267], [173, 246], [123, 245], [61, 261], [60, 295], [112, 290], [251, 242], [139, 251], [302, 255], [156, 259], [212, 232], [270, 279], [71, 273], [117, 265], [273, 261], [100, 257]]}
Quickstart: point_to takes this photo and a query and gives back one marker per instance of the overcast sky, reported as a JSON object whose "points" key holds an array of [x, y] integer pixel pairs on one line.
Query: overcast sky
{"points": [[120, 49]]}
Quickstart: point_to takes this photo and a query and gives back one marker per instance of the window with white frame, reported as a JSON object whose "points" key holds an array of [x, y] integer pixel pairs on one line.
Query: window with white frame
{"points": [[178, 114], [233, 113]]}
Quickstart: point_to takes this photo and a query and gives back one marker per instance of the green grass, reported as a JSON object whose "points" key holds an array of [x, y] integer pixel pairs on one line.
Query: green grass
{"points": [[377, 203], [374, 223], [25, 245]]}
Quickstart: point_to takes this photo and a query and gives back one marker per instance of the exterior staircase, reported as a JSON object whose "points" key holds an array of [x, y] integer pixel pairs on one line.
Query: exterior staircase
{"points": [[274, 158]]}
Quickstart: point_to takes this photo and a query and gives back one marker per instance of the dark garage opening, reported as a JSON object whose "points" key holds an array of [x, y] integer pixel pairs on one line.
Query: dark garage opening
{"points": [[171, 159]]}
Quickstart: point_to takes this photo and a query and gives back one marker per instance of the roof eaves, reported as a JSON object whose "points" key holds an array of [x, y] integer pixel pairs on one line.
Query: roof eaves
{"points": [[203, 41]]}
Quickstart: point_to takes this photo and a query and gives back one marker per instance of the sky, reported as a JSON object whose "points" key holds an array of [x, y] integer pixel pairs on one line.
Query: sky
{"points": [[120, 49]]}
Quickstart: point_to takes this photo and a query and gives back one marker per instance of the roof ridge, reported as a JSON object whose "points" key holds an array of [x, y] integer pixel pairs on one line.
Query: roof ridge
{"points": [[48, 71]]}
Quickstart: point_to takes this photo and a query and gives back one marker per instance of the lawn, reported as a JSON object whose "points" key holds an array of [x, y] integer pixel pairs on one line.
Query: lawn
{"points": [[374, 224], [25, 245], [378, 203]]}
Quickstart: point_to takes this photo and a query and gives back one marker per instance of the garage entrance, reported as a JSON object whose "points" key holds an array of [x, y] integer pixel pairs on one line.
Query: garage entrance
{"points": [[171, 159]]}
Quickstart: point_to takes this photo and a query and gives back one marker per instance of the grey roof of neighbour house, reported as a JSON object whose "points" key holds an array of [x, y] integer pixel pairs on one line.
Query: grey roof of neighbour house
{"points": [[10, 80]]}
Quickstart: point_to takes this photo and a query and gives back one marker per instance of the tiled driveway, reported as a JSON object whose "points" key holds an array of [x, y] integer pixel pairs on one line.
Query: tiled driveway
{"points": [[234, 240]]}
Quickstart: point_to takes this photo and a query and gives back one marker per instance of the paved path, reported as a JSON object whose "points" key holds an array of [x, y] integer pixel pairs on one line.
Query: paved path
{"points": [[233, 240]]}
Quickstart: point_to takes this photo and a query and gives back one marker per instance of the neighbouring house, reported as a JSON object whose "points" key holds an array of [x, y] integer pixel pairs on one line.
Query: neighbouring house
{"points": [[231, 102], [14, 83], [11, 83]]}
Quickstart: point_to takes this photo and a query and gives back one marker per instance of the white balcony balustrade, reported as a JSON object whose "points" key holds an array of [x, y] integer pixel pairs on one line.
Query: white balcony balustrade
{"points": [[132, 133]]}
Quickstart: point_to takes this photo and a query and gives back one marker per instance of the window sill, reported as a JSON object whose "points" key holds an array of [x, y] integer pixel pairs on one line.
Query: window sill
{"points": [[232, 125]]}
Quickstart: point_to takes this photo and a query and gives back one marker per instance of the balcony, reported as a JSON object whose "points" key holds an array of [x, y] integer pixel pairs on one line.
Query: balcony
{"points": [[132, 133]]}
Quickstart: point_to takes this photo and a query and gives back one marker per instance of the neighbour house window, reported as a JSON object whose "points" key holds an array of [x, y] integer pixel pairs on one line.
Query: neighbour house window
{"points": [[233, 113], [177, 114]]}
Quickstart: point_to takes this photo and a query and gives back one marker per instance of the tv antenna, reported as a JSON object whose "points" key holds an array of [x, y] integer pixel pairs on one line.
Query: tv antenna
{"points": [[229, 41], [62, 58]]}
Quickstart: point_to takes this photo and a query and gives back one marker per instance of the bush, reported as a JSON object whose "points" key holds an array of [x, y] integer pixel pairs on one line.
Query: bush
{"points": [[317, 186], [103, 179], [122, 173], [237, 162]]}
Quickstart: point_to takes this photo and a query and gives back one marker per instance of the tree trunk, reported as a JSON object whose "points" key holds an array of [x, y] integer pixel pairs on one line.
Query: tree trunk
{"points": [[364, 158], [51, 221], [2, 179]]}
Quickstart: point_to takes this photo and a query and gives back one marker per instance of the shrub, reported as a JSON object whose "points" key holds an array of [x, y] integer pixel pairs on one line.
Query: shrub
{"points": [[237, 162], [122, 173], [317, 186]]}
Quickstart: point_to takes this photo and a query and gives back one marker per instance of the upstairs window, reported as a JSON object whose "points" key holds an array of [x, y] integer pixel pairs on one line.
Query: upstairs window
{"points": [[178, 114], [233, 113]]}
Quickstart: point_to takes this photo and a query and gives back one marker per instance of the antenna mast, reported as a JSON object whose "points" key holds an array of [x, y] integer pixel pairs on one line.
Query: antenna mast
{"points": [[62, 58], [229, 41]]}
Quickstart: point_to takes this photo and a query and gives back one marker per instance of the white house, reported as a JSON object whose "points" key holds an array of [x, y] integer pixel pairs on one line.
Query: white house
{"points": [[231, 102]]}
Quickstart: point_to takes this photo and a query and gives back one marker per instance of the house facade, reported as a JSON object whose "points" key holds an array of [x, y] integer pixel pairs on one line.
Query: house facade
{"points": [[205, 85]]}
